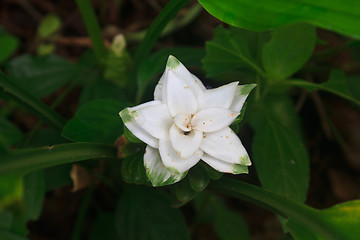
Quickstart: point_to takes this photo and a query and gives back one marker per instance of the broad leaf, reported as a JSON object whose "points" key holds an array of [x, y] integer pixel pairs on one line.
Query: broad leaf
{"points": [[34, 193], [279, 155], [40, 76], [9, 133], [6, 218], [8, 44], [96, 121], [133, 169], [262, 15], [104, 227], [230, 49], [48, 26], [288, 50], [145, 214], [10, 236]]}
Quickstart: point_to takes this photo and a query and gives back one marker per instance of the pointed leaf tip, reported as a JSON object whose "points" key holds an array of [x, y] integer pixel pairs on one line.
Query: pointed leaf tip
{"points": [[172, 62]]}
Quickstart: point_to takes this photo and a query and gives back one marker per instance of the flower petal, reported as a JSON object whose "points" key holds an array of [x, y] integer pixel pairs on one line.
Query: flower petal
{"points": [[241, 94], [158, 92], [222, 166], [185, 145], [180, 71], [180, 98], [156, 171], [172, 160], [226, 146], [183, 122], [213, 119], [128, 116], [155, 119], [220, 97]]}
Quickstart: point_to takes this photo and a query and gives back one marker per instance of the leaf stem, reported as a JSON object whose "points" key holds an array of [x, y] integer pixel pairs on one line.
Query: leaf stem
{"points": [[276, 203], [31, 159], [24, 98], [93, 28]]}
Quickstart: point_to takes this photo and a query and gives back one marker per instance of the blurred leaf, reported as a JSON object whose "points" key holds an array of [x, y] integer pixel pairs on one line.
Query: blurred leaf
{"points": [[155, 64], [145, 214], [11, 188], [299, 231], [103, 227], [96, 121], [353, 83], [49, 25], [198, 178], [278, 152], [212, 173], [10, 236], [130, 136], [230, 49], [8, 45], [100, 89], [41, 76], [6, 218], [133, 169], [267, 14], [34, 193], [9, 133], [288, 50], [229, 225], [183, 191], [337, 84], [45, 49]]}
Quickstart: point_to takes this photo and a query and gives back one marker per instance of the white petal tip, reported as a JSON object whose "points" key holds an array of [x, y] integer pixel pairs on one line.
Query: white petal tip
{"points": [[238, 168], [126, 115], [245, 160]]}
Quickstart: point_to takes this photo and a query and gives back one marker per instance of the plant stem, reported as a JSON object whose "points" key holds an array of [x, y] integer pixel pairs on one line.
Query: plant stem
{"points": [[31, 159], [93, 28], [276, 203], [43, 111]]}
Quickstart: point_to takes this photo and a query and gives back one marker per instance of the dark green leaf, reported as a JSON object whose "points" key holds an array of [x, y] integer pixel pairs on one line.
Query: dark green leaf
{"points": [[104, 227], [145, 214], [288, 50], [8, 44], [299, 231], [261, 15], [10, 236], [133, 169], [213, 174], [229, 225], [11, 187], [353, 83], [279, 155], [6, 218], [183, 191], [34, 192], [229, 50], [9, 133], [96, 121], [198, 178], [40, 76]]}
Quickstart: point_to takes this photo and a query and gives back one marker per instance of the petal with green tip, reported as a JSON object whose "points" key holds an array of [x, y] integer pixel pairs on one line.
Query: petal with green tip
{"points": [[242, 92], [222, 166], [157, 173]]}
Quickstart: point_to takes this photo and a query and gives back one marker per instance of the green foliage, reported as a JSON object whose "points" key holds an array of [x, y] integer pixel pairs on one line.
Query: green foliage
{"points": [[34, 193], [41, 76], [96, 121], [268, 14], [133, 169], [9, 133], [49, 25], [144, 213], [8, 45], [288, 50], [279, 155]]}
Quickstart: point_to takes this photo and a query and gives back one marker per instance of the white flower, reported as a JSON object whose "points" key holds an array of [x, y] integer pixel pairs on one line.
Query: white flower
{"points": [[187, 123]]}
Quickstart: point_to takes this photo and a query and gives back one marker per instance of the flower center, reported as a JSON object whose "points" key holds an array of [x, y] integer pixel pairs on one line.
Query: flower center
{"points": [[183, 122]]}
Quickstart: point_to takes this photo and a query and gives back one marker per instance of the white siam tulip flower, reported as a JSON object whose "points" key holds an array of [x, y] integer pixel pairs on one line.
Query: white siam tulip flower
{"points": [[186, 123]]}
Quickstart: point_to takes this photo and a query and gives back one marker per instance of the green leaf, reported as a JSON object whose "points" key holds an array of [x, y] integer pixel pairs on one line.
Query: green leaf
{"points": [[278, 152], [288, 50], [24, 98], [6, 218], [184, 192], [229, 50], [10, 236], [145, 214], [198, 178], [96, 121], [32, 159], [353, 83], [49, 25], [8, 45], [337, 84], [40, 76], [133, 169], [9, 133], [229, 225], [155, 64], [267, 14], [34, 193], [299, 232], [103, 227], [11, 188]]}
